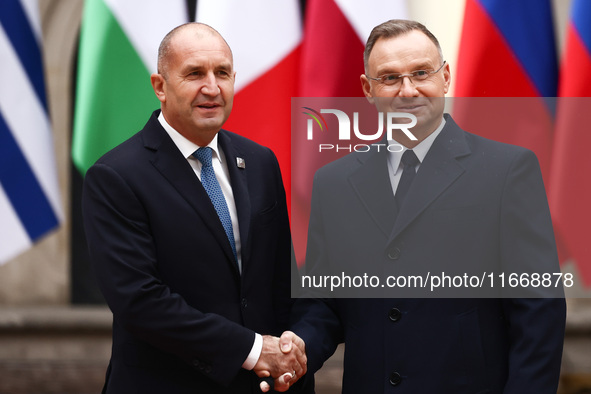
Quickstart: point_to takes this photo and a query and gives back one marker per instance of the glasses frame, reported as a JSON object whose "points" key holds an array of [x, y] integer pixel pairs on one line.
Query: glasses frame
{"points": [[401, 76]]}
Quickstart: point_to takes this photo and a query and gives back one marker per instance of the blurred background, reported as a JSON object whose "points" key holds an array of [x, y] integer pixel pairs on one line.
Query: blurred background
{"points": [[74, 82]]}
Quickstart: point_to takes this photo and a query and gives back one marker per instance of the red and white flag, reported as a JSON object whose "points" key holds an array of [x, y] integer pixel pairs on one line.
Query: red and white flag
{"points": [[265, 37], [332, 63]]}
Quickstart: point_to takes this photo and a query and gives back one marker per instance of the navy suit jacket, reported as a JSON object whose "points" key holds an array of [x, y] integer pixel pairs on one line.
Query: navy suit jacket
{"points": [[476, 204], [184, 318]]}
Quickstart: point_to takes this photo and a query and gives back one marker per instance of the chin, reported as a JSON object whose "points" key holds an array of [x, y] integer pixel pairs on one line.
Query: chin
{"points": [[209, 124]]}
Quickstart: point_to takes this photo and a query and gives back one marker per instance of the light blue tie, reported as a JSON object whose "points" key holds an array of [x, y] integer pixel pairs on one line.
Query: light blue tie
{"points": [[213, 189]]}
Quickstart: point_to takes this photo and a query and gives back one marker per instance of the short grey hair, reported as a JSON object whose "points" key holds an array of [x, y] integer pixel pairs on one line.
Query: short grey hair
{"points": [[394, 28]]}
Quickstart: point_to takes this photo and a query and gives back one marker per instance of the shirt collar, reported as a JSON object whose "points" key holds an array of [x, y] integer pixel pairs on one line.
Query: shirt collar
{"points": [[420, 150], [187, 147]]}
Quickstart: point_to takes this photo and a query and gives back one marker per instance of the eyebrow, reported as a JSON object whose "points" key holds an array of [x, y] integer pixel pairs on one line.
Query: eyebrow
{"points": [[194, 66], [225, 66], [419, 66], [191, 66]]}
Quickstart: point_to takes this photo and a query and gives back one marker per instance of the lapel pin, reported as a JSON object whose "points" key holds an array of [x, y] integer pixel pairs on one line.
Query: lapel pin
{"points": [[240, 162]]}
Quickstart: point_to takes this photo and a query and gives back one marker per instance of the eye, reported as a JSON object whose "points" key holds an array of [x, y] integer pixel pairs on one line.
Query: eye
{"points": [[421, 74], [390, 79]]}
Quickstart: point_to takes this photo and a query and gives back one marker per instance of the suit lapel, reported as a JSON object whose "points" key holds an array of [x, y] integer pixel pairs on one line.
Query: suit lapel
{"points": [[437, 172], [371, 182], [238, 180], [168, 160]]}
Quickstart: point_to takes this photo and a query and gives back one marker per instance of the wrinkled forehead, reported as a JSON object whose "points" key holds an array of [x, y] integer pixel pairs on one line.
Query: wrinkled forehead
{"points": [[195, 38], [412, 49]]}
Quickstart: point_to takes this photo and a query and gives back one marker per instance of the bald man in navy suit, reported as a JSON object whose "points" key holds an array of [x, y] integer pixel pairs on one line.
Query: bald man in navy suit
{"points": [[189, 237]]}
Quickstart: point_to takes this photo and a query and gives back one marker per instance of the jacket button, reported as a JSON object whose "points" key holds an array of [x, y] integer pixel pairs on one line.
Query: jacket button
{"points": [[395, 378], [244, 303], [394, 254], [394, 314]]}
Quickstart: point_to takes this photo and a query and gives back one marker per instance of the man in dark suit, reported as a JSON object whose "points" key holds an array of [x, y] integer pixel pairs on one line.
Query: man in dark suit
{"points": [[189, 236], [448, 200]]}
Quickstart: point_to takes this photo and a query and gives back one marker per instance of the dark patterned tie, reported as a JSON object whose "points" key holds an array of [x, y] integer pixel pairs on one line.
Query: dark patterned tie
{"points": [[410, 161], [213, 189]]}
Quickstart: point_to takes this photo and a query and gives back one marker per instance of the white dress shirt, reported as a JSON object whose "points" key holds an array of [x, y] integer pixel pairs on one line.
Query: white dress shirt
{"points": [[394, 158], [220, 166]]}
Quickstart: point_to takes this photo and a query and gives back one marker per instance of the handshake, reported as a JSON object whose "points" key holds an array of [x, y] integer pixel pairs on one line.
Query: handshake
{"points": [[283, 360]]}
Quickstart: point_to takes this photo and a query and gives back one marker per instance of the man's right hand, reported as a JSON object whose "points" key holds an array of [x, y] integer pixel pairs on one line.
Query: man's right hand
{"points": [[283, 358]]}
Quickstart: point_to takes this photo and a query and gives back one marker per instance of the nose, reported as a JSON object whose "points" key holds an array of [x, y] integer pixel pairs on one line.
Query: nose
{"points": [[210, 85], [407, 88]]}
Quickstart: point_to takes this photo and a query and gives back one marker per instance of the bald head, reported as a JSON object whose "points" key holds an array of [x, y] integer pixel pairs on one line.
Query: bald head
{"points": [[195, 81], [196, 30]]}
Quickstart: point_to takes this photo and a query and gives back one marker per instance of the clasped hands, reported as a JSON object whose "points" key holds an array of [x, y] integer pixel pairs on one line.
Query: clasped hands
{"points": [[283, 359]]}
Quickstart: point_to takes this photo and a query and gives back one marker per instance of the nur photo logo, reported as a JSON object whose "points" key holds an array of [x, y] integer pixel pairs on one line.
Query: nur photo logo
{"points": [[346, 129]]}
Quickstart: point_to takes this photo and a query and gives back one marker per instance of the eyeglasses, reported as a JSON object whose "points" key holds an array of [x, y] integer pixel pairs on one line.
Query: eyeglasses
{"points": [[417, 76]]}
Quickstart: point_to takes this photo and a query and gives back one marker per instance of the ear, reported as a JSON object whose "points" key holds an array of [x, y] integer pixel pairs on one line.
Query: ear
{"points": [[365, 85], [158, 83], [446, 78]]}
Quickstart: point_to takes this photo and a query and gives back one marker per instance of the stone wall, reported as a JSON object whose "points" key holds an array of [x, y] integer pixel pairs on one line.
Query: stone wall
{"points": [[54, 349]]}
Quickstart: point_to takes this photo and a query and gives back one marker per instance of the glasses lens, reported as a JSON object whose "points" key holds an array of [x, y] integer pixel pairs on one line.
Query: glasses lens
{"points": [[420, 75], [390, 79]]}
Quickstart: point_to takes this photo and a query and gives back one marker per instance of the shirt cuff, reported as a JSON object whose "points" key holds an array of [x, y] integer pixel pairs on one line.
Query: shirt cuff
{"points": [[255, 352]]}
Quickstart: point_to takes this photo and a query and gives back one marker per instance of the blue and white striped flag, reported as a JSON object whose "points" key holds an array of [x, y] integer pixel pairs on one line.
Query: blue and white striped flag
{"points": [[29, 195]]}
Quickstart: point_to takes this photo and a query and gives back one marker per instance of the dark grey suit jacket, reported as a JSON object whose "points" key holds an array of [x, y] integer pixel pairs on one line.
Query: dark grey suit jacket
{"points": [[475, 205]]}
